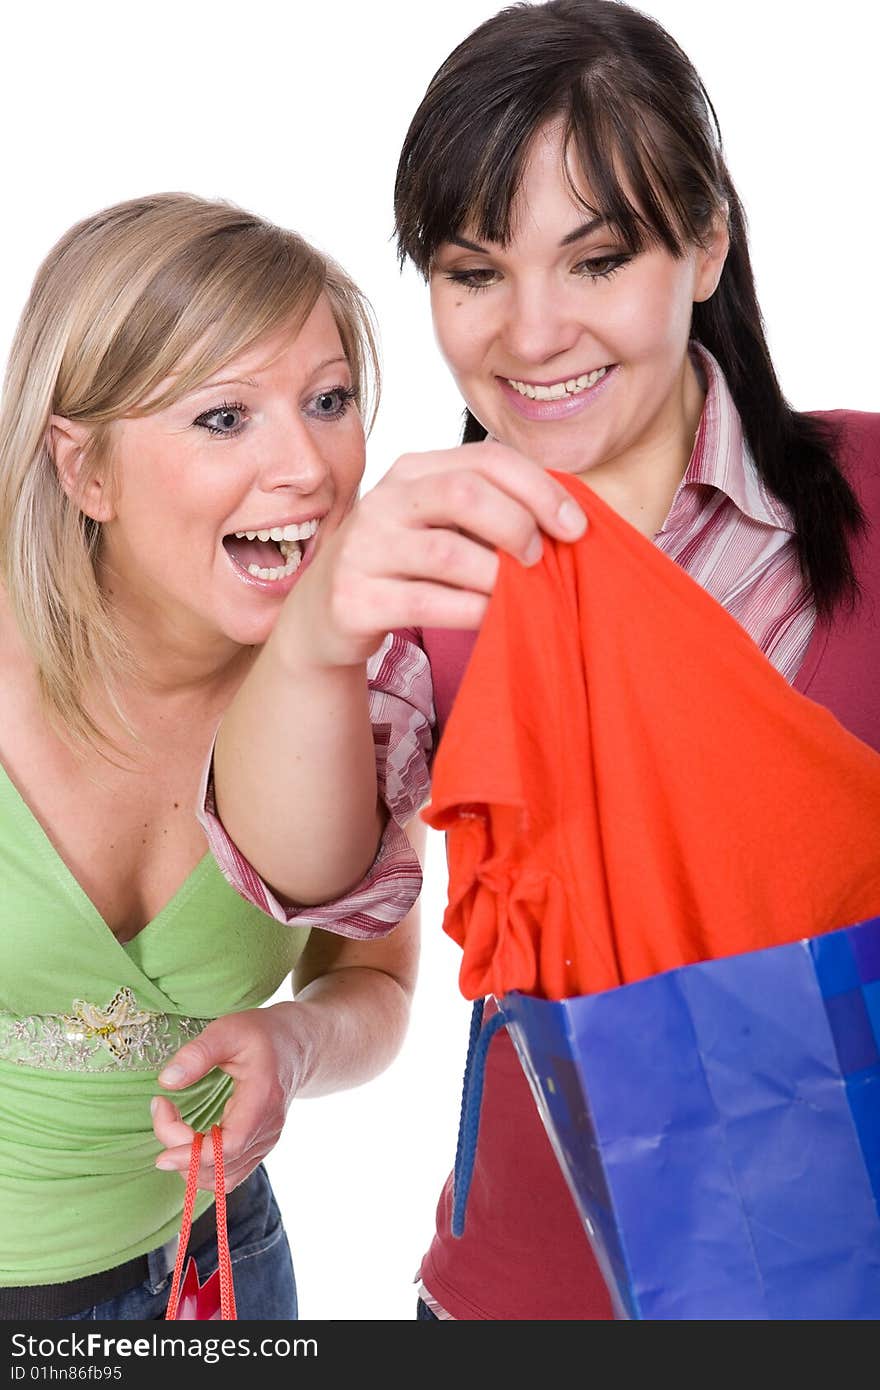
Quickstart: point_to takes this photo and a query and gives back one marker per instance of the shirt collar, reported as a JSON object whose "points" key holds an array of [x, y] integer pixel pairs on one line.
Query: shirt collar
{"points": [[721, 458]]}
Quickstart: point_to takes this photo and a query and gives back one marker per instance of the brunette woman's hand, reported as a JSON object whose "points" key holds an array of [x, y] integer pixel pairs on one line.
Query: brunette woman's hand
{"points": [[419, 549]]}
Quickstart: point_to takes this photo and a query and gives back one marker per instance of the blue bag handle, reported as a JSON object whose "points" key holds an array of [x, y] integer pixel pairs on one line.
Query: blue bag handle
{"points": [[471, 1104]]}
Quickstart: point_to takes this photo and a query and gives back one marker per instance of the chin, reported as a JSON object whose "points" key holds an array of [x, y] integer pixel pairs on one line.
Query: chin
{"points": [[247, 631], [252, 634], [570, 461]]}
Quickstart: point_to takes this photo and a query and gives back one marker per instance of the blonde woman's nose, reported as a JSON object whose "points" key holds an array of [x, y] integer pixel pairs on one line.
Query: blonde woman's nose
{"points": [[294, 462]]}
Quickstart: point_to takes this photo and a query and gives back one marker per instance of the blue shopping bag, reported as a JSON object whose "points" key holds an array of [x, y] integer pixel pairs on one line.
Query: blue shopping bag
{"points": [[719, 1128]]}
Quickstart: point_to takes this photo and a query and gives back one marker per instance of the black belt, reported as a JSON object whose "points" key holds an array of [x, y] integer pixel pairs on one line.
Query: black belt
{"points": [[40, 1301]]}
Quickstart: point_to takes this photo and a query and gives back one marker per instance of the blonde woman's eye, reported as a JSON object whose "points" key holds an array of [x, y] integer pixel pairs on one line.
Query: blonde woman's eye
{"points": [[332, 404], [225, 420]]}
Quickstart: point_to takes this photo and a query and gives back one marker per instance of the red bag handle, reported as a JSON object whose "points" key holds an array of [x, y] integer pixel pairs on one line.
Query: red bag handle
{"points": [[227, 1293]]}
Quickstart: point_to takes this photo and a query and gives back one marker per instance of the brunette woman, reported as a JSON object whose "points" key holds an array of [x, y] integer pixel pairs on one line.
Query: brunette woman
{"points": [[563, 190]]}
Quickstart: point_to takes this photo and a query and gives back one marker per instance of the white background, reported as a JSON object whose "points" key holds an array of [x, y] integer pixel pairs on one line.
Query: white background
{"points": [[298, 112]]}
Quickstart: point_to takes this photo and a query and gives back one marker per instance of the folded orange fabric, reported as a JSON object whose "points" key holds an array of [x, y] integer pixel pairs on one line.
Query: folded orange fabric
{"points": [[628, 785]]}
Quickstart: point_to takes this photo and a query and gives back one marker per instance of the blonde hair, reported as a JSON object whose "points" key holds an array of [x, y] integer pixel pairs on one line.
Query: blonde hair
{"points": [[163, 287]]}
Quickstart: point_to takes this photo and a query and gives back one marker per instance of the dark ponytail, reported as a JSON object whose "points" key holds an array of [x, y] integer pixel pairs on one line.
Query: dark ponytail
{"points": [[794, 453]]}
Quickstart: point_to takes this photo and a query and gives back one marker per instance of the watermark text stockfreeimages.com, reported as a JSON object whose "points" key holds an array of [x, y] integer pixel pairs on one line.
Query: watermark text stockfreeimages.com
{"points": [[31, 1354]]}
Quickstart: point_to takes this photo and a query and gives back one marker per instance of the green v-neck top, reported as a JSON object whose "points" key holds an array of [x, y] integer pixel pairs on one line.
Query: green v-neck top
{"points": [[86, 1024]]}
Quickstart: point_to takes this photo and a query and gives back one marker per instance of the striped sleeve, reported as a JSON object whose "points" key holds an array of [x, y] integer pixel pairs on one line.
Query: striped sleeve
{"points": [[402, 715]]}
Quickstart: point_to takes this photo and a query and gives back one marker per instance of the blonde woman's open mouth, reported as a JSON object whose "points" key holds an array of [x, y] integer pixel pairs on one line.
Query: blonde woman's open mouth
{"points": [[271, 555]]}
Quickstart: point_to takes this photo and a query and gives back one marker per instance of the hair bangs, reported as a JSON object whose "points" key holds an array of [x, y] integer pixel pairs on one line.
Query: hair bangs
{"points": [[465, 170], [620, 160], [621, 165], [641, 149], [204, 309]]}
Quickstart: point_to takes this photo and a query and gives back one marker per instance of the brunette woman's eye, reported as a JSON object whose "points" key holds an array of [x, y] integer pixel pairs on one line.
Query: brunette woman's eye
{"points": [[472, 279], [226, 420], [602, 267], [332, 404]]}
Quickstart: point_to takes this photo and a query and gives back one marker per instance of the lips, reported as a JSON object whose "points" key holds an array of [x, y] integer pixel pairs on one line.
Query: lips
{"points": [[558, 390], [557, 400], [271, 555]]}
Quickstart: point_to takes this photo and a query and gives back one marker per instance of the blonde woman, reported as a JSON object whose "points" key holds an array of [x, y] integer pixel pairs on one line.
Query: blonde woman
{"points": [[181, 432]]}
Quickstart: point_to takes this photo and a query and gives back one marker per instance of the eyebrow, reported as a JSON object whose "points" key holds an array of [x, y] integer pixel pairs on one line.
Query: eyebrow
{"points": [[584, 229], [331, 362], [591, 225], [255, 385], [225, 381]]}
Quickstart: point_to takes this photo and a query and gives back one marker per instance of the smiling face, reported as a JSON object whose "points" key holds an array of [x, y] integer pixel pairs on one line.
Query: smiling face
{"points": [[565, 345], [220, 500]]}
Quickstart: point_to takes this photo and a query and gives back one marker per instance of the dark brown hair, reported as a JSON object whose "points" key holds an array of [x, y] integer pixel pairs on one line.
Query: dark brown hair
{"points": [[647, 140]]}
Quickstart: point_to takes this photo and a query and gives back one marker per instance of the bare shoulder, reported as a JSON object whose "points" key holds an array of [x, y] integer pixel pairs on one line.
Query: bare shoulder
{"points": [[126, 832]]}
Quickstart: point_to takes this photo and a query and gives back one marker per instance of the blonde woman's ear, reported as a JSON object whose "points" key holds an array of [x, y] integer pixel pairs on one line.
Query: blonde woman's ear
{"points": [[88, 489]]}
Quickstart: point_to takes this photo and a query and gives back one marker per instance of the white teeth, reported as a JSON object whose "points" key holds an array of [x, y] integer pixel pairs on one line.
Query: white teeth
{"points": [[573, 387], [290, 541], [276, 571], [301, 531]]}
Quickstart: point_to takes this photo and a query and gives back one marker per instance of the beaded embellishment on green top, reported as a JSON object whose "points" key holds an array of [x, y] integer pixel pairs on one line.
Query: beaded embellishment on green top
{"points": [[116, 1037]]}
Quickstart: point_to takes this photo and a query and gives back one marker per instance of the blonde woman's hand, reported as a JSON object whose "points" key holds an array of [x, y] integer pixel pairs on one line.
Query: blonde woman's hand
{"points": [[418, 550], [258, 1049]]}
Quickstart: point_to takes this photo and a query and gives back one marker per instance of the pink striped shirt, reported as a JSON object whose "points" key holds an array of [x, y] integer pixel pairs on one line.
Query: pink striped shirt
{"points": [[724, 527], [734, 537], [402, 715]]}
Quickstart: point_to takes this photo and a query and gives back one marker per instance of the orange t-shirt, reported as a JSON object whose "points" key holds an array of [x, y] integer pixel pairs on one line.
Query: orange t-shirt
{"points": [[628, 785]]}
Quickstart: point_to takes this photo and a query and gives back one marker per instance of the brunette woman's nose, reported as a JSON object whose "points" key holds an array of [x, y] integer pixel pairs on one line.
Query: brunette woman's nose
{"points": [[540, 326]]}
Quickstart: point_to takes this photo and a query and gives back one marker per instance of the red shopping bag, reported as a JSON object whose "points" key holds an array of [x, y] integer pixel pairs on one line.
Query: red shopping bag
{"points": [[214, 1300]]}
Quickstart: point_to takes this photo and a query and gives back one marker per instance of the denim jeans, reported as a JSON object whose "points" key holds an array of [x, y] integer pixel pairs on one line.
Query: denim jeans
{"points": [[424, 1314], [262, 1269]]}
